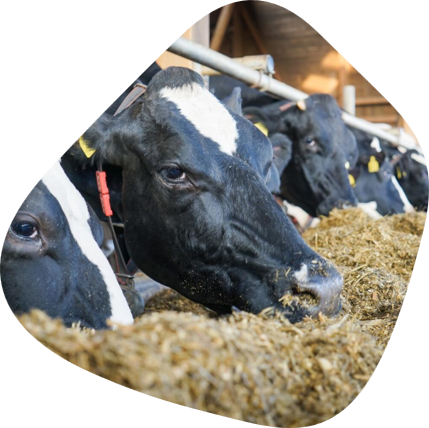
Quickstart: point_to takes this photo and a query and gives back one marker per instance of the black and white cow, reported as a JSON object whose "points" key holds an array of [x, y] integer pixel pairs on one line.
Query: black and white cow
{"points": [[411, 171], [373, 177], [315, 178], [144, 78], [197, 213], [221, 86], [51, 259], [282, 152]]}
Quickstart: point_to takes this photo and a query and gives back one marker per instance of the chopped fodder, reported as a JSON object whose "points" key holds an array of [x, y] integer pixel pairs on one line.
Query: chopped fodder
{"points": [[262, 369], [170, 300], [351, 239], [376, 258], [253, 368]]}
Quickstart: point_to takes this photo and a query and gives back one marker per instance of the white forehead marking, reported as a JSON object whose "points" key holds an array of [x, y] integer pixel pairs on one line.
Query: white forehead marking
{"points": [[418, 158], [302, 275], [408, 208], [206, 113], [77, 215], [375, 144]]}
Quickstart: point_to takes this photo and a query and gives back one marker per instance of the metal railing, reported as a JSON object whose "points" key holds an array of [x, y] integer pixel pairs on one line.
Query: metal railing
{"points": [[225, 65]]}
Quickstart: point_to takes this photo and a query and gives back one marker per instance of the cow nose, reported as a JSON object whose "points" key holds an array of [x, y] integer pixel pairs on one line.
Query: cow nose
{"points": [[325, 207], [318, 287]]}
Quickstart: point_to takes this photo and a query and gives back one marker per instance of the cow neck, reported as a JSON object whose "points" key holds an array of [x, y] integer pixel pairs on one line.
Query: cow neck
{"points": [[123, 274]]}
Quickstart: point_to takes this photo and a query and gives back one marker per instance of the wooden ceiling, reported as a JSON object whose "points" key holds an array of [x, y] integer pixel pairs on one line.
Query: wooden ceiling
{"points": [[303, 58]]}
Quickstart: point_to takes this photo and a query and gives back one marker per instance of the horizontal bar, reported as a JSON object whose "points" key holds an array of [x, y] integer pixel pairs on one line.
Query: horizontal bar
{"points": [[371, 101], [226, 65], [264, 63], [205, 56]]}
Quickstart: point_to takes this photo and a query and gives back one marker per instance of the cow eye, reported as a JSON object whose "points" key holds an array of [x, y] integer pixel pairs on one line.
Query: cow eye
{"points": [[24, 228], [175, 174], [310, 141]]}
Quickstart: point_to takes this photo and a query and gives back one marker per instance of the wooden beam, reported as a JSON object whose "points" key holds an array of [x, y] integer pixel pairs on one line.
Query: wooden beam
{"points": [[254, 32], [388, 118], [221, 26], [342, 80], [371, 101], [200, 33], [237, 40]]}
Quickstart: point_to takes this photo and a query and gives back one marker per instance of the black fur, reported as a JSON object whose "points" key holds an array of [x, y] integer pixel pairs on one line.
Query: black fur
{"points": [[315, 178], [218, 236]]}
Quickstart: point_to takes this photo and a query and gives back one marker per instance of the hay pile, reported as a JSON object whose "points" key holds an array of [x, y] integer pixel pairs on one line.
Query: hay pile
{"points": [[256, 368]]}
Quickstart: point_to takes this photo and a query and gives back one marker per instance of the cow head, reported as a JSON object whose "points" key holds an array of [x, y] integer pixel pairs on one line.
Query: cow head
{"points": [[411, 172], [373, 177], [51, 259], [197, 212], [315, 178]]}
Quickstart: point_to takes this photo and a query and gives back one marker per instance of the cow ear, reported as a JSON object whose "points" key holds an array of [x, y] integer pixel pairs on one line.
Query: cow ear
{"points": [[105, 140], [282, 151], [234, 101]]}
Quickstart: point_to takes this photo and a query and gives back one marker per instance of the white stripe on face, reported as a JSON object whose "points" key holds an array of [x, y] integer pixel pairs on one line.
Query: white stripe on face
{"points": [[77, 215], [408, 208], [206, 113]]}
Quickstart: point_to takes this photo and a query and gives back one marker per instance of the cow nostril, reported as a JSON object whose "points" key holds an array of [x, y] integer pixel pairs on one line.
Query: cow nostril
{"points": [[299, 297]]}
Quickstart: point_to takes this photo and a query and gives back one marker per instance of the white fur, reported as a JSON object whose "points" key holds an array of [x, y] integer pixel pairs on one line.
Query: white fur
{"points": [[301, 216], [206, 113], [302, 275], [408, 208], [375, 144], [370, 209], [77, 214], [418, 158]]}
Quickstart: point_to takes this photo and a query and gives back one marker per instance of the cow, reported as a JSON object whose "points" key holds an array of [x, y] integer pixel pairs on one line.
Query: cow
{"points": [[411, 171], [221, 86], [51, 259], [373, 178], [144, 79], [315, 179], [282, 151], [198, 216]]}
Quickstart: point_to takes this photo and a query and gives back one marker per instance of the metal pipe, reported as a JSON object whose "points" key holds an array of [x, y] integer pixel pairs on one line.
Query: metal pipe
{"points": [[349, 99], [226, 65], [264, 63]]}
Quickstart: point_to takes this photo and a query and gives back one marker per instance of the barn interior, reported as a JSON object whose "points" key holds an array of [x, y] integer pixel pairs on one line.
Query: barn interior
{"points": [[303, 58], [261, 368]]}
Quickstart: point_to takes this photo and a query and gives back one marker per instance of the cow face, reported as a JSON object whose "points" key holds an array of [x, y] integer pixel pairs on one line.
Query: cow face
{"points": [[51, 258], [197, 212], [411, 172], [374, 179], [379, 186], [316, 179]]}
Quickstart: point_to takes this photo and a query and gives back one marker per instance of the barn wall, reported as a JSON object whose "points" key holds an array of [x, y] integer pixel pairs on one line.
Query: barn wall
{"points": [[303, 58]]}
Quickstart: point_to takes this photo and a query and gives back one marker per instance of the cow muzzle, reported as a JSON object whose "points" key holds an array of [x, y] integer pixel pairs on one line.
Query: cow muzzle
{"points": [[314, 289]]}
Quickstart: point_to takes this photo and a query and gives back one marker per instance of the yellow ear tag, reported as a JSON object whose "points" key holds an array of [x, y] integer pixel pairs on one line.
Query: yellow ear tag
{"points": [[262, 128], [398, 172], [85, 148], [352, 180], [373, 165]]}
